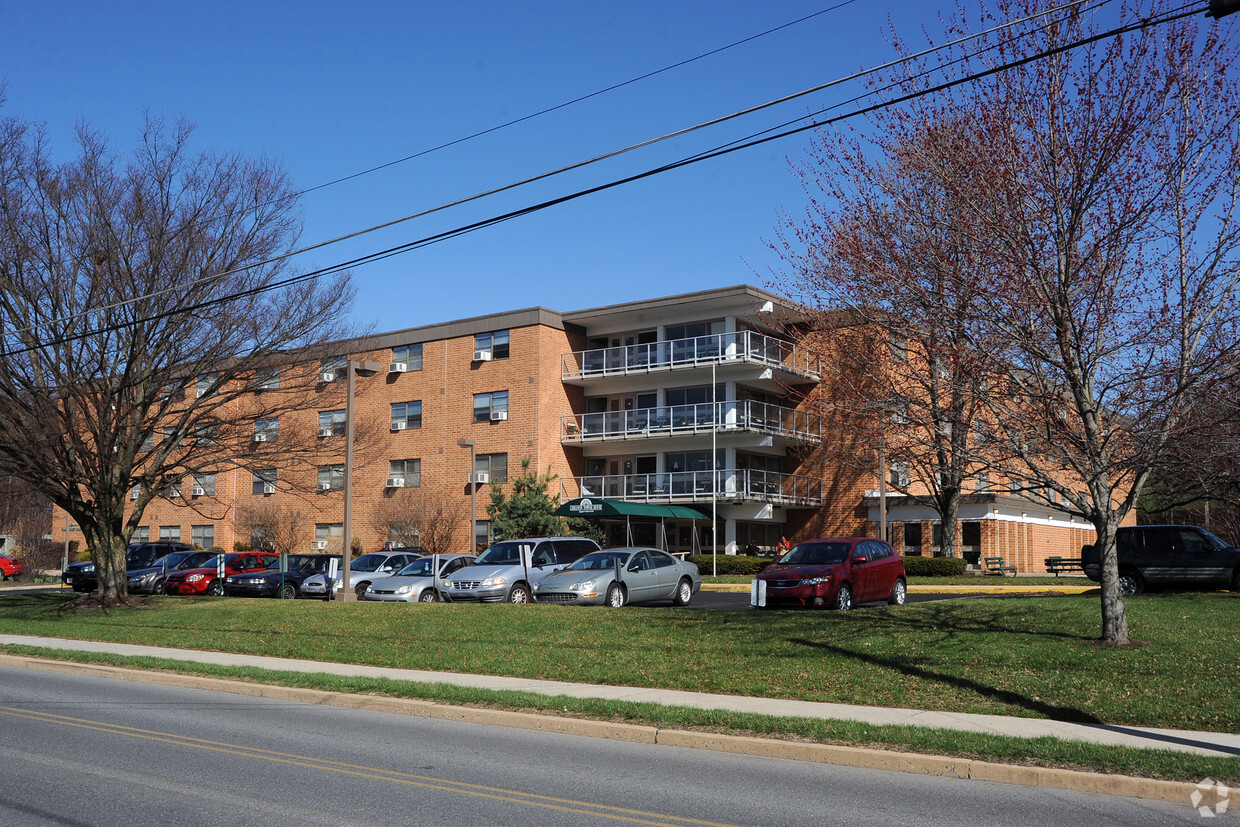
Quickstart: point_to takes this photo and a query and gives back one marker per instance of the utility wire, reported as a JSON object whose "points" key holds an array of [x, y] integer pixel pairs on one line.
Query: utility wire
{"points": [[703, 156], [596, 159], [571, 102]]}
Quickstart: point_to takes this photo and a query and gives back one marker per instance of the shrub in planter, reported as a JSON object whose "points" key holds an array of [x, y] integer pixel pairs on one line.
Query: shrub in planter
{"points": [[934, 566]]}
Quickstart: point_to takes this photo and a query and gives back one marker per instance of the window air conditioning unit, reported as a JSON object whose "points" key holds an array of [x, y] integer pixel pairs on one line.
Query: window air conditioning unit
{"points": [[133, 495], [260, 437], [396, 482], [399, 424], [480, 478], [325, 486], [326, 431], [319, 545], [269, 488], [398, 367], [172, 492], [327, 376], [198, 491], [482, 355], [499, 416]]}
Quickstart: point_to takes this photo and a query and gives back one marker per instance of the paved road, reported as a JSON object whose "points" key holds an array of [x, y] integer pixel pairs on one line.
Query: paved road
{"points": [[88, 750]]}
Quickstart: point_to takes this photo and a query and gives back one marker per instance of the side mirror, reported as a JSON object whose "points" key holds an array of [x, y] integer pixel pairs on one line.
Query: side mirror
{"points": [[635, 567], [861, 559]]}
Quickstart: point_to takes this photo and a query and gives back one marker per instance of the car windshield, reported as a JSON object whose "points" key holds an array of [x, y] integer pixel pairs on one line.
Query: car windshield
{"points": [[212, 562], [599, 560], [368, 562], [815, 554], [501, 554], [187, 559], [420, 567], [1215, 542]]}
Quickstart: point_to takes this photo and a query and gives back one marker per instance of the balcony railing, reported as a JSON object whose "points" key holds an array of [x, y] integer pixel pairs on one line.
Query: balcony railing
{"points": [[674, 420], [735, 485], [741, 346]]}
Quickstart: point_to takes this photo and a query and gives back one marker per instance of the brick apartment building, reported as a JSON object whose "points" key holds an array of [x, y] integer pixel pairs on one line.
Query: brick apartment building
{"points": [[690, 421]]}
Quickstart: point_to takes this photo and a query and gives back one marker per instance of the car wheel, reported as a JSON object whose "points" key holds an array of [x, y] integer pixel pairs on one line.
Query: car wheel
{"points": [[615, 596], [1130, 583], [843, 598], [288, 591], [360, 590], [216, 588], [158, 588], [428, 596], [684, 592], [520, 594], [899, 593]]}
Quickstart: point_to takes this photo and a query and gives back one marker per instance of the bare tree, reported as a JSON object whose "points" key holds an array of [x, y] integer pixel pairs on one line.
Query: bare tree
{"points": [[273, 528], [892, 245], [420, 516], [145, 307]]}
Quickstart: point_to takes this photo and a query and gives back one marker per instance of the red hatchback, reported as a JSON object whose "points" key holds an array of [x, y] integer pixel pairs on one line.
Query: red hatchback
{"points": [[833, 573], [207, 580], [10, 567]]}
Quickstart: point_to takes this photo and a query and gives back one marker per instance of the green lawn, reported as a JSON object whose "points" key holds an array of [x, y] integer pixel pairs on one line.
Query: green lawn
{"points": [[1032, 656]]}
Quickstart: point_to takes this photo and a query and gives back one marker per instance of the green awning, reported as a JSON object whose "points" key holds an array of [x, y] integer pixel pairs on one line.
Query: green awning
{"points": [[596, 507]]}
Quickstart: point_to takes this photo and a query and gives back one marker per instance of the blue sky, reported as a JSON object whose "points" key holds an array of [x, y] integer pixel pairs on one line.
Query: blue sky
{"points": [[331, 90]]}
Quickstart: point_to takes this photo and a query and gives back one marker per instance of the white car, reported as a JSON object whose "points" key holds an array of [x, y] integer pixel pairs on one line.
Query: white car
{"points": [[363, 571], [415, 583]]}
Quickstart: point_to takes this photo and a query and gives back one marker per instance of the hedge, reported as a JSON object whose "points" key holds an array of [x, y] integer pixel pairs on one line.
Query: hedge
{"points": [[934, 566], [742, 564]]}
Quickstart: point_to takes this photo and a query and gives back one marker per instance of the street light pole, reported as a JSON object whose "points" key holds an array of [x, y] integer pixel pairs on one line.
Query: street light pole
{"points": [[361, 369], [473, 493]]}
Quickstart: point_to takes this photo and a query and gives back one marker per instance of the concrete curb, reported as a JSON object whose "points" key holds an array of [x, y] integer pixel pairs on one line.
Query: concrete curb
{"points": [[860, 757]]}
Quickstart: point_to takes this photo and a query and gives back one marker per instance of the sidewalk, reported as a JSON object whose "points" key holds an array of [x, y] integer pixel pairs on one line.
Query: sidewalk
{"points": [[1203, 743]]}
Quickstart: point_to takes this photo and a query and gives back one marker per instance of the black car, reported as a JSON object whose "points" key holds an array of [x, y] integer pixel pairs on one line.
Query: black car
{"points": [[272, 582], [82, 577], [1184, 556], [151, 580]]}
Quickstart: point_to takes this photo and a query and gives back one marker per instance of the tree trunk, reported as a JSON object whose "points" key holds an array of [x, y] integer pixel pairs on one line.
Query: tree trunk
{"points": [[948, 546], [1114, 618]]}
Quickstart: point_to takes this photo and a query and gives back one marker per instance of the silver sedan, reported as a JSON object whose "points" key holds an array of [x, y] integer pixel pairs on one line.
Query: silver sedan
{"points": [[415, 583], [617, 576]]}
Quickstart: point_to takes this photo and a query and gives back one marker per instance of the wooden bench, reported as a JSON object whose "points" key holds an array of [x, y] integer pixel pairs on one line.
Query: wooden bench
{"points": [[994, 565], [1055, 565]]}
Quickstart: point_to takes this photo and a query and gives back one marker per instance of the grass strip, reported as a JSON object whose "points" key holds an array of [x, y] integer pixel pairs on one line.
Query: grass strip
{"points": [[1040, 752], [1030, 656]]}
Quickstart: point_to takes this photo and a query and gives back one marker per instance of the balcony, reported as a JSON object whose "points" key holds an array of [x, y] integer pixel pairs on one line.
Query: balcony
{"points": [[735, 485], [746, 416], [741, 347]]}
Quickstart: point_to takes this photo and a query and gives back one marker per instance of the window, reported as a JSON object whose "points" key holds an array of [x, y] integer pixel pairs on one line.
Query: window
{"points": [[141, 534], [490, 406], [203, 535], [406, 415], [482, 535], [328, 531], [205, 434], [205, 482], [267, 379], [266, 430], [899, 473], [331, 423], [494, 464], [333, 366], [207, 384], [148, 442], [980, 433], [410, 470], [170, 532], [174, 391], [496, 342], [331, 477], [982, 483], [265, 481], [172, 491], [170, 435], [411, 355]]}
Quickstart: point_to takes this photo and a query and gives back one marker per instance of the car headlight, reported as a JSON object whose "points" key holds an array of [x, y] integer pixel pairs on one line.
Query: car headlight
{"points": [[405, 589], [814, 581], [194, 578], [493, 581], [583, 586], [90, 569]]}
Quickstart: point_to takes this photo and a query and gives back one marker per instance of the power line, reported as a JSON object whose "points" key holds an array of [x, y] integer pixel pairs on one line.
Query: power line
{"points": [[573, 101], [596, 159], [717, 152]]}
